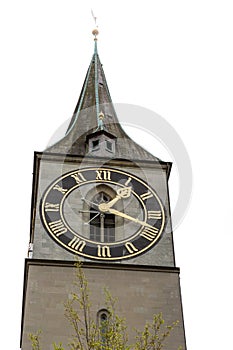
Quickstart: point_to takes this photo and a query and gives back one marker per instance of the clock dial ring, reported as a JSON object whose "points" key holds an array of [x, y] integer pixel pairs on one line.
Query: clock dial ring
{"points": [[147, 235]]}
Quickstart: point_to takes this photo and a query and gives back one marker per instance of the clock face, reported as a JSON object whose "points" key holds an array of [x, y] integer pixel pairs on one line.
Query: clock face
{"points": [[102, 213]]}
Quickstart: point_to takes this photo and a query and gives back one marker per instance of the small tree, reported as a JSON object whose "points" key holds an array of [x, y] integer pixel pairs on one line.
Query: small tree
{"points": [[88, 334], [110, 333], [154, 334], [35, 340]]}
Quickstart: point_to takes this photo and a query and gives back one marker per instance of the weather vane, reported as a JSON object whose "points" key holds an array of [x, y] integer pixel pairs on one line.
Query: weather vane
{"points": [[94, 17], [95, 32]]}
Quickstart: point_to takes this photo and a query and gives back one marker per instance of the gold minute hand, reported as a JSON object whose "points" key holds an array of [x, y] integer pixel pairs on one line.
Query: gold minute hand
{"points": [[123, 215]]}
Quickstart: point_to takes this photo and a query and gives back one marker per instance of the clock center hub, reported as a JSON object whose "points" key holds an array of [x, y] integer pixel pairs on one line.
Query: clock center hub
{"points": [[104, 207]]}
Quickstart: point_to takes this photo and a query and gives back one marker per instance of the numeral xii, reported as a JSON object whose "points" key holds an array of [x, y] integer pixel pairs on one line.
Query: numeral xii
{"points": [[103, 175]]}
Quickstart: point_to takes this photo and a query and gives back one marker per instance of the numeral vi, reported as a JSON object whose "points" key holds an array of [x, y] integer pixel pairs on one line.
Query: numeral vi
{"points": [[104, 252]]}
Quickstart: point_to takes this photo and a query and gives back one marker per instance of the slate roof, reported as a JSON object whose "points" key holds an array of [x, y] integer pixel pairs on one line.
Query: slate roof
{"points": [[95, 98]]}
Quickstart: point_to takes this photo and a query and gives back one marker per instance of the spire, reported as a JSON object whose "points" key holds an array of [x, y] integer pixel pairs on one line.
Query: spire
{"points": [[95, 96], [95, 113], [95, 32]]}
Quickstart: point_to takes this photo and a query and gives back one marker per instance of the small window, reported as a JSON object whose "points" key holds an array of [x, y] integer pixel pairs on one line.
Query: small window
{"points": [[109, 145], [95, 144], [102, 317]]}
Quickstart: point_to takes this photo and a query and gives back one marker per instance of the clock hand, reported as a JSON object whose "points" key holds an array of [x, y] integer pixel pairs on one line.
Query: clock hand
{"points": [[86, 223], [90, 203], [123, 215], [121, 193]]}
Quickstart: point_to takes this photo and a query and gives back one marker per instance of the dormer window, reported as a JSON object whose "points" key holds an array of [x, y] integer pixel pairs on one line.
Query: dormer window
{"points": [[109, 145], [101, 143], [95, 144]]}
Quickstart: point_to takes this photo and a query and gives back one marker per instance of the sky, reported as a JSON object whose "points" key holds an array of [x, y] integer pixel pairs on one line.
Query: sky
{"points": [[173, 57]]}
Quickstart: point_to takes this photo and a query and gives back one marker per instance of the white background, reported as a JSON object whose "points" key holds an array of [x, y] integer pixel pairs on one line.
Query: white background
{"points": [[174, 57]]}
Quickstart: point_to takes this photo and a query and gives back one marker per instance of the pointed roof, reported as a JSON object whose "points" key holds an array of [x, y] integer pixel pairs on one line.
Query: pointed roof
{"points": [[94, 98], [95, 101]]}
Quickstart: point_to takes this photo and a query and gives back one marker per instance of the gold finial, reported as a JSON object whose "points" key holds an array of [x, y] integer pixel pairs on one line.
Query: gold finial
{"points": [[101, 115], [100, 121], [95, 31]]}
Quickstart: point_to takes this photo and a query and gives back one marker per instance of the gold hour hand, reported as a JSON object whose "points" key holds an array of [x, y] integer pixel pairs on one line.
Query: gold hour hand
{"points": [[124, 192], [123, 215]]}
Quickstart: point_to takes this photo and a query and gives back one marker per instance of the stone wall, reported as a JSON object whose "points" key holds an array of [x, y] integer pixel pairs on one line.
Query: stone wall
{"points": [[141, 291]]}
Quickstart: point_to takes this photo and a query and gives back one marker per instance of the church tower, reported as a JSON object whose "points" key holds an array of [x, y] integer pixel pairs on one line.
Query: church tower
{"points": [[100, 196]]}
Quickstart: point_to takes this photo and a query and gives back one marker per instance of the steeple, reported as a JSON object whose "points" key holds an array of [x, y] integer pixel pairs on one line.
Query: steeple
{"points": [[95, 97], [94, 115]]}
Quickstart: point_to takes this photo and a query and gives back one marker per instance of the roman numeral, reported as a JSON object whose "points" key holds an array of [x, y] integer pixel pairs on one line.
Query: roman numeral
{"points": [[146, 195], [130, 247], [128, 181], [51, 207], [149, 233], [78, 177], [57, 227], [156, 214], [104, 252], [103, 175], [77, 244], [60, 189]]}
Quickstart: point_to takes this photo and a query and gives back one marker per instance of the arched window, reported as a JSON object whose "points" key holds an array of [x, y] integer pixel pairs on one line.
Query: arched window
{"points": [[102, 320], [102, 225]]}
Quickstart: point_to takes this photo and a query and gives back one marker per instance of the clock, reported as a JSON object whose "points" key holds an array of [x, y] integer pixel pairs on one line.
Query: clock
{"points": [[102, 213]]}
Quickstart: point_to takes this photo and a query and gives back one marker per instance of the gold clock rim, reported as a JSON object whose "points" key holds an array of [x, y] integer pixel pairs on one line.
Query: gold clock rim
{"points": [[70, 249]]}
